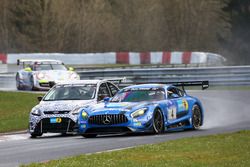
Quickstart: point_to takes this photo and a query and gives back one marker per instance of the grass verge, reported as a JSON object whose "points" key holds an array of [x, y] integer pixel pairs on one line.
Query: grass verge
{"points": [[14, 110], [216, 150]]}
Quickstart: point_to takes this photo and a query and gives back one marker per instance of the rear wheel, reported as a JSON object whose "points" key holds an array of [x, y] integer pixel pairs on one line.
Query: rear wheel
{"points": [[32, 83], [158, 123], [89, 135], [196, 117]]}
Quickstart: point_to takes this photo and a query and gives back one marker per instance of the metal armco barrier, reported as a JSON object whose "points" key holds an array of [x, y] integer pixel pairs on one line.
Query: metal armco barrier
{"points": [[229, 75]]}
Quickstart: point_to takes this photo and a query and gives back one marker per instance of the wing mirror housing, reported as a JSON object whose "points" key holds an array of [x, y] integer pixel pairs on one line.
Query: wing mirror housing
{"points": [[39, 98], [106, 99]]}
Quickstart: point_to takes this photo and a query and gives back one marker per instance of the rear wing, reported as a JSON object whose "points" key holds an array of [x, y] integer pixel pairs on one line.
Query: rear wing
{"points": [[39, 61], [203, 84], [116, 80], [23, 62]]}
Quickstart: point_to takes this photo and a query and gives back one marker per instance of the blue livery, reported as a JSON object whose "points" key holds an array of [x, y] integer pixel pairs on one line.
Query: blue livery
{"points": [[144, 108]]}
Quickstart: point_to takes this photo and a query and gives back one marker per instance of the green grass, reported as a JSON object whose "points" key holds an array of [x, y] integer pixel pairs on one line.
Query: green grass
{"points": [[14, 110], [227, 150]]}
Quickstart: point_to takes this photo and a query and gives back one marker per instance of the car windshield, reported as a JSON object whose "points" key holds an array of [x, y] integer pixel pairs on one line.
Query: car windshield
{"points": [[58, 67], [42, 67], [141, 94], [71, 92]]}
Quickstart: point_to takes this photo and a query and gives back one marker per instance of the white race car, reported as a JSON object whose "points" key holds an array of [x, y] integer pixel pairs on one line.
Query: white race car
{"points": [[38, 74], [58, 110]]}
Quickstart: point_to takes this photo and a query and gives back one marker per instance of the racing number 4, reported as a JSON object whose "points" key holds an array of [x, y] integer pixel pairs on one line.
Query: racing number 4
{"points": [[171, 113]]}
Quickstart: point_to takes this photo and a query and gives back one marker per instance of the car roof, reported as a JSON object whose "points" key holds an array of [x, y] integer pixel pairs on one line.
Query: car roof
{"points": [[79, 82], [148, 86]]}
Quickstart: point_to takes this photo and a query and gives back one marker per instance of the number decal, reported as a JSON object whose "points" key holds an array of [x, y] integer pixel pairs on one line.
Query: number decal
{"points": [[172, 113]]}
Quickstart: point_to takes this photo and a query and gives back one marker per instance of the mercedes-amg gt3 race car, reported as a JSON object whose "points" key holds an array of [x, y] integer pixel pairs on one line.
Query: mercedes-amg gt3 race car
{"points": [[144, 108], [58, 109], [38, 74]]}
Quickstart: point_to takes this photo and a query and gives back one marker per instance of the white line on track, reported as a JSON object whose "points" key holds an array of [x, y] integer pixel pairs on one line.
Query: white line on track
{"points": [[13, 137]]}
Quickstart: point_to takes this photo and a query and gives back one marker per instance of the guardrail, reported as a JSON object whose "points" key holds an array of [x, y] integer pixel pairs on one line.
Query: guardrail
{"points": [[230, 75]]}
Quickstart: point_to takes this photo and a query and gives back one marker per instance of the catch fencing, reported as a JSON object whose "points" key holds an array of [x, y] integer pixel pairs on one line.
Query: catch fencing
{"points": [[229, 75]]}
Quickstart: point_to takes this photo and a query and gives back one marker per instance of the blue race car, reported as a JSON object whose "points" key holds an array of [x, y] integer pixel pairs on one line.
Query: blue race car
{"points": [[144, 108]]}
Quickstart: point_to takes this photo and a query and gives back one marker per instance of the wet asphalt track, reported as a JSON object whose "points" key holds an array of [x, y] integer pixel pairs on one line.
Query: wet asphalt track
{"points": [[225, 111]]}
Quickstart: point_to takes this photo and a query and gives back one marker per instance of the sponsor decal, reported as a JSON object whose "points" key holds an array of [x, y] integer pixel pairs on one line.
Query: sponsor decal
{"points": [[55, 120], [83, 126], [141, 89], [185, 104], [182, 105], [137, 124], [83, 122]]}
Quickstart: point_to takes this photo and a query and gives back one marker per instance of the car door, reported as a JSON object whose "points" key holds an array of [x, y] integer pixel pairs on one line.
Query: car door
{"points": [[178, 105]]}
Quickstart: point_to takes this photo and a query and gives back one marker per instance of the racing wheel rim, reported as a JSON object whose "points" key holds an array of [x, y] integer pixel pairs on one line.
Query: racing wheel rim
{"points": [[196, 117], [158, 122]]}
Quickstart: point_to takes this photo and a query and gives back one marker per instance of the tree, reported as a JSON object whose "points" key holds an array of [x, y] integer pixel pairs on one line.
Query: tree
{"points": [[33, 25], [238, 44]]}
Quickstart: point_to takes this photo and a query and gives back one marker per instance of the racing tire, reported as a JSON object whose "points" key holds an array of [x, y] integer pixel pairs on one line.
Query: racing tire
{"points": [[196, 117], [18, 86], [32, 84], [158, 122], [89, 135], [64, 134], [34, 135]]}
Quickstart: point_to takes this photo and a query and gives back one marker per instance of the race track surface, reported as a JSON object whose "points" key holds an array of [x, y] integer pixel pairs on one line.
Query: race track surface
{"points": [[225, 111]]}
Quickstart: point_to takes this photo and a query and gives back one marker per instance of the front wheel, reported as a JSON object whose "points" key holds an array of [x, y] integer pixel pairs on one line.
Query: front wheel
{"points": [[158, 123], [89, 135], [34, 135], [196, 117], [18, 84]]}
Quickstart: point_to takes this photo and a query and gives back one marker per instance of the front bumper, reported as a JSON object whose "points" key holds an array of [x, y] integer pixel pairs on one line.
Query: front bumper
{"points": [[131, 126], [42, 124]]}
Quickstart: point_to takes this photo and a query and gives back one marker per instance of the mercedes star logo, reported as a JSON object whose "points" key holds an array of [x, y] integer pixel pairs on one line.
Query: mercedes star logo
{"points": [[106, 119]]}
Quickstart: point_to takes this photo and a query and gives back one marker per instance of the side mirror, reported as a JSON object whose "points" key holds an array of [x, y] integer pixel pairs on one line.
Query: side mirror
{"points": [[106, 99], [39, 98], [71, 69], [102, 96], [28, 69]]}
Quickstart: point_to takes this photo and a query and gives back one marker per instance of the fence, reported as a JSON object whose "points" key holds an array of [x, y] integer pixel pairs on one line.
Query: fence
{"points": [[132, 58], [231, 75]]}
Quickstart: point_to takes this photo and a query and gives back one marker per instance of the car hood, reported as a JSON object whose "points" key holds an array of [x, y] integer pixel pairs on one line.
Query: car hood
{"points": [[114, 108], [65, 105], [56, 75]]}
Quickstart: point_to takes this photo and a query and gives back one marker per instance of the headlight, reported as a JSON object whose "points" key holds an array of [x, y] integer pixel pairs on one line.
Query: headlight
{"points": [[36, 112], [76, 111], [74, 76], [138, 112], [84, 115], [40, 76]]}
